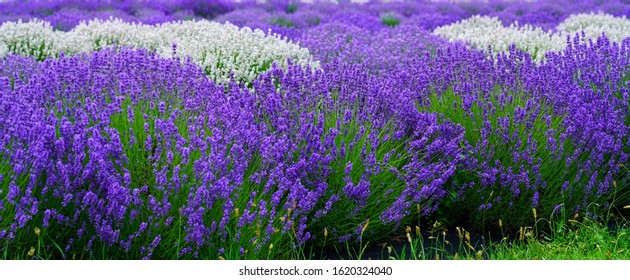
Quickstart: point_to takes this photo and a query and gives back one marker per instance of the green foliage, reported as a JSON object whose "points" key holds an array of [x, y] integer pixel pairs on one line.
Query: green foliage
{"points": [[390, 20], [291, 8], [281, 21]]}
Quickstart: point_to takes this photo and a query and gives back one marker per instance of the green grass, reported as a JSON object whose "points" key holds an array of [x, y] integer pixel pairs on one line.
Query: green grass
{"points": [[588, 240], [575, 239], [581, 239]]}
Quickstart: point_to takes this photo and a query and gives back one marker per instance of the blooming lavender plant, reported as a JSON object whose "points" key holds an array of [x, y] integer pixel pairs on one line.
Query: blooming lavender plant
{"points": [[594, 25], [531, 142], [221, 50], [489, 34], [381, 51], [475, 32], [81, 176]]}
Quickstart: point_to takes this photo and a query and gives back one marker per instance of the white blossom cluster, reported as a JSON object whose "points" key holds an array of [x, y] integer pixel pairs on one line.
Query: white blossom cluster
{"points": [[34, 38], [481, 32], [3, 50], [220, 49], [593, 25]]}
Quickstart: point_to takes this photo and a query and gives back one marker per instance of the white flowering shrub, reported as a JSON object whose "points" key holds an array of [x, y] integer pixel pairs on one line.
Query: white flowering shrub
{"points": [[3, 50], [220, 49], [481, 32], [97, 34], [224, 48], [34, 38], [593, 25]]}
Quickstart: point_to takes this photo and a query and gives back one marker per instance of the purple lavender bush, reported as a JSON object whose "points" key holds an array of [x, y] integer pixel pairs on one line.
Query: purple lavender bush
{"points": [[380, 52], [69, 167], [541, 137]]}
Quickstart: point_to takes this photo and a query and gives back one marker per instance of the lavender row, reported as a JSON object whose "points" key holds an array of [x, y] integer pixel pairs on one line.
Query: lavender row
{"points": [[222, 50], [291, 18], [118, 149], [66, 14], [489, 33]]}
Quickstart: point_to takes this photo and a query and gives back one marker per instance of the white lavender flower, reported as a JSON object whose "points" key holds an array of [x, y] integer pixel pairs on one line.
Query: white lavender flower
{"points": [[481, 32], [221, 49], [34, 38], [3, 50], [594, 25]]}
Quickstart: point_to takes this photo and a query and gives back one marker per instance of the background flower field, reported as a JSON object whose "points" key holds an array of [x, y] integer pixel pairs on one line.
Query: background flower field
{"points": [[202, 129]]}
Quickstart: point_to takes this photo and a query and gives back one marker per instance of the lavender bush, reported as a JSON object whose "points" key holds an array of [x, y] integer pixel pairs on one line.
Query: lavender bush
{"points": [[383, 51], [536, 136]]}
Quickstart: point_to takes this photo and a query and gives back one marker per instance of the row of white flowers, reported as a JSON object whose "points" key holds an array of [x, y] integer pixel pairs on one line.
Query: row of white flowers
{"points": [[220, 49], [482, 32], [593, 25]]}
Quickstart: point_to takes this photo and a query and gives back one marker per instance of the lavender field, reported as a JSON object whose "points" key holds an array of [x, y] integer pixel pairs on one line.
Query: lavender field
{"points": [[211, 129]]}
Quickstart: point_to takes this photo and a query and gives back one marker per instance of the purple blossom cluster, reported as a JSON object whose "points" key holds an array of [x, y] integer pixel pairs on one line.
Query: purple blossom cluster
{"points": [[382, 51], [70, 165], [299, 126], [66, 14], [556, 131]]}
